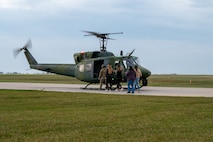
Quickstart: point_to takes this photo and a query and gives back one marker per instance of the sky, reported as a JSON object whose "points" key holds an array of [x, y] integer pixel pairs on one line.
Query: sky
{"points": [[169, 36]]}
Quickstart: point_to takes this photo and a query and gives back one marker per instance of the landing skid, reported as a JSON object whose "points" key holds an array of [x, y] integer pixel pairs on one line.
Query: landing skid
{"points": [[113, 88], [86, 86]]}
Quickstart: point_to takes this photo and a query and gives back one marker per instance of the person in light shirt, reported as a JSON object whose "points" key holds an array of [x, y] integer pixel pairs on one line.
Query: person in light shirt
{"points": [[138, 76], [102, 76]]}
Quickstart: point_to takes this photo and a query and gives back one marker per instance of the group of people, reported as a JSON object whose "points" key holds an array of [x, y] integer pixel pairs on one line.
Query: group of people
{"points": [[106, 75]]}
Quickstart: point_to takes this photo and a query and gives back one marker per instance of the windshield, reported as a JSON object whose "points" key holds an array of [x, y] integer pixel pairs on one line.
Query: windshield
{"points": [[130, 61]]}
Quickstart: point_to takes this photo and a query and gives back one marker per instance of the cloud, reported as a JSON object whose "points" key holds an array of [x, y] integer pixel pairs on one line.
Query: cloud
{"points": [[44, 5], [14, 4], [181, 9], [56, 5], [172, 9]]}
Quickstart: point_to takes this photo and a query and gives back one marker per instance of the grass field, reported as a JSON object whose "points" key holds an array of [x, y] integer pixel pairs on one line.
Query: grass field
{"points": [[52, 116], [44, 78], [203, 81]]}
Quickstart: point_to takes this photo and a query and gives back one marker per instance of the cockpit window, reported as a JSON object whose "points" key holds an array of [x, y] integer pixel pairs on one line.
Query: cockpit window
{"points": [[130, 61], [135, 59]]}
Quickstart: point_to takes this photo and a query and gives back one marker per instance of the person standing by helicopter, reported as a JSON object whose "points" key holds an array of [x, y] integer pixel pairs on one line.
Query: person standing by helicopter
{"points": [[131, 76], [102, 76], [119, 77], [138, 76], [109, 75]]}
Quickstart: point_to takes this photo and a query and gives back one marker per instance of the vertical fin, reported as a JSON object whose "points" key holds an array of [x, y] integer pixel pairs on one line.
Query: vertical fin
{"points": [[30, 58]]}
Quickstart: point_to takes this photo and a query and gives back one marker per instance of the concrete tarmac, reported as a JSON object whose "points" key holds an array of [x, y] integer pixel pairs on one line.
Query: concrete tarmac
{"points": [[148, 91]]}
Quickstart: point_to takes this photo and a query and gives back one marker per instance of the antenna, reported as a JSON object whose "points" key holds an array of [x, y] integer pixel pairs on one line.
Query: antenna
{"points": [[103, 38]]}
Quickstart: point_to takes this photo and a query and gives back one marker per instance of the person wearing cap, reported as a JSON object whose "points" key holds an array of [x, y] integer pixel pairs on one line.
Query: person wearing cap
{"points": [[102, 76]]}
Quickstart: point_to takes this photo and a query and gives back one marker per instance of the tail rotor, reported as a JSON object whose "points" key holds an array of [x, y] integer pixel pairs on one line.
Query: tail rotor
{"points": [[25, 47]]}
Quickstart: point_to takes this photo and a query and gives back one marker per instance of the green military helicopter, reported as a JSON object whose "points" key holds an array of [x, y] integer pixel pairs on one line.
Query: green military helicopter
{"points": [[88, 64]]}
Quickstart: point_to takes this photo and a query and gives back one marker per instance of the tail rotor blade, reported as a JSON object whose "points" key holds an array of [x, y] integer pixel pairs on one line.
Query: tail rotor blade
{"points": [[26, 46], [16, 52]]}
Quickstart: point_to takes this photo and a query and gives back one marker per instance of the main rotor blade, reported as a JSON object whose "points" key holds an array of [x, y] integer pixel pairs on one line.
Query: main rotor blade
{"points": [[91, 33], [100, 35], [131, 52], [113, 33]]}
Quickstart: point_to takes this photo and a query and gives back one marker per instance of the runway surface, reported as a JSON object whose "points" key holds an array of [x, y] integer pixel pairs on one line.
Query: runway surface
{"points": [[149, 91]]}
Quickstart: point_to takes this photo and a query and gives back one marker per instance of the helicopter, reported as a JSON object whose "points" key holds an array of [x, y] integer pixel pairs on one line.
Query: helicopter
{"points": [[88, 64]]}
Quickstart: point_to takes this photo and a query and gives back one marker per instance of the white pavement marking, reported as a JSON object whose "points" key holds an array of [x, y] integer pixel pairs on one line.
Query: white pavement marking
{"points": [[150, 91]]}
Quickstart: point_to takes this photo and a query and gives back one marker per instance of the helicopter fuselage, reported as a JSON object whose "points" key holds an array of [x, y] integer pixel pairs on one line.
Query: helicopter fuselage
{"points": [[88, 65], [88, 68]]}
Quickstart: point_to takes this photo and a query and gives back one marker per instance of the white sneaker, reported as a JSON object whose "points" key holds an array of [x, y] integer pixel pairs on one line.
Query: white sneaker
{"points": [[122, 89], [116, 90]]}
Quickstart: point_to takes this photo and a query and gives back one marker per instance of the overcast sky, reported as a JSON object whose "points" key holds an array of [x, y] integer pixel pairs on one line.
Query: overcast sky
{"points": [[169, 36]]}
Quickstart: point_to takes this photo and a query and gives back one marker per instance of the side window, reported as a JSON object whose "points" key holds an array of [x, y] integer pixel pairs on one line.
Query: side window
{"points": [[116, 63], [81, 68], [88, 67], [122, 63]]}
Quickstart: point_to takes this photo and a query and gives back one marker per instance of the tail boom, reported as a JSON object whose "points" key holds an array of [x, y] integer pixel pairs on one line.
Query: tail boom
{"points": [[61, 69]]}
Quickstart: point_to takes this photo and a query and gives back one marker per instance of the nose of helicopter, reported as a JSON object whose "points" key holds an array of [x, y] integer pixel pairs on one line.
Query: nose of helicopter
{"points": [[146, 72], [149, 72]]}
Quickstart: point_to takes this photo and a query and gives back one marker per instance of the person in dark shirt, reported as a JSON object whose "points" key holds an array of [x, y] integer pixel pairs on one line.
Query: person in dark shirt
{"points": [[119, 78], [109, 75], [131, 76]]}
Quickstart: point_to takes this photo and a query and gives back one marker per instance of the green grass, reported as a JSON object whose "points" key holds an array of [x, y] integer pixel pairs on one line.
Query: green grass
{"points": [[53, 116], [38, 78], [203, 81]]}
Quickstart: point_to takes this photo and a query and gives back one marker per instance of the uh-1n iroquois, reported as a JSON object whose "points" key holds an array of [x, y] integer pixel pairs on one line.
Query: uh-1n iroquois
{"points": [[88, 64]]}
